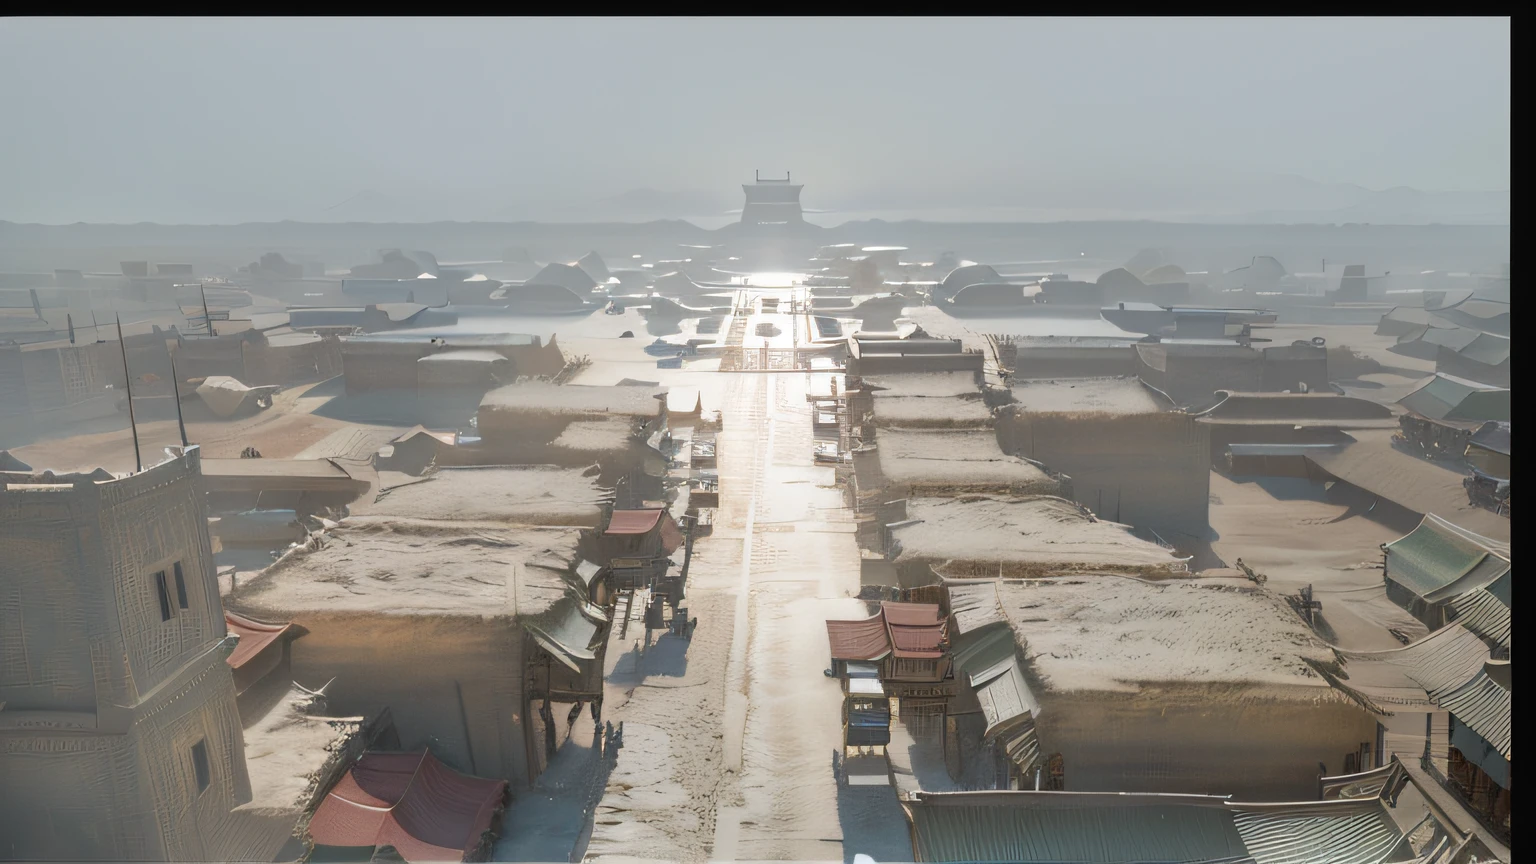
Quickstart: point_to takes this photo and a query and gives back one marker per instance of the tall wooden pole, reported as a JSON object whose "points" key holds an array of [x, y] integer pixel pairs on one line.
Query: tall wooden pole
{"points": [[128, 383], [176, 394]]}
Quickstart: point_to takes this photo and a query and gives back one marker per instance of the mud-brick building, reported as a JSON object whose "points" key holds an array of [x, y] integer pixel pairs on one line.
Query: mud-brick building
{"points": [[120, 737]]}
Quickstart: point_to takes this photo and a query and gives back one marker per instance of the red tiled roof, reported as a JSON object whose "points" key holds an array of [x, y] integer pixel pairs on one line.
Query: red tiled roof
{"points": [[633, 521], [916, 629], [254, 636], [410, 801], [859, 640]]}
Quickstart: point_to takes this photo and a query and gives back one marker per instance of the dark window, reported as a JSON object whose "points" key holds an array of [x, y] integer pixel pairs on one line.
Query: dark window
{"points": [[200, 764], [165, 596], [181, 587]]}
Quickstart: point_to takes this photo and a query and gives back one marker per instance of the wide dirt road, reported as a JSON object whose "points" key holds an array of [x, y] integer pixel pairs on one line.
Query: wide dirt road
{"points": [[728, 752]]}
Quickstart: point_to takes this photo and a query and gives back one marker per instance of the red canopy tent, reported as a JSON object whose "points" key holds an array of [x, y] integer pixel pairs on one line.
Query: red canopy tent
{"points": [[411, 801]]}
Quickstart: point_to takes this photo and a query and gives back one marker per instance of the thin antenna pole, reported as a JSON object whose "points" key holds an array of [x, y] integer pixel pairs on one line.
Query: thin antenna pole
{"points": [[176, 394], [128, 383], [206, 317]]}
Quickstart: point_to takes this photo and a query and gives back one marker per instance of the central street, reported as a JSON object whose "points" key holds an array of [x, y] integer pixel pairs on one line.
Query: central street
{"points": [[729, 745]]}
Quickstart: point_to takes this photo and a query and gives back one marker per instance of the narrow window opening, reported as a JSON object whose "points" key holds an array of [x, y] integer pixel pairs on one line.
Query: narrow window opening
{"points": [[181, 586], [200, 765], [165, 596]]}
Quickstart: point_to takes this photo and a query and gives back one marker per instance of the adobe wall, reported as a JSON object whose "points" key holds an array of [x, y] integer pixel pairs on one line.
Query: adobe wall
{"points": [[1193, 379], [150, 521], [1145, 470], [451, 683], [1257, 744], [374, 366], [1028, 362], [82, 593], [48, 810], [134, 796], [225, 355]]}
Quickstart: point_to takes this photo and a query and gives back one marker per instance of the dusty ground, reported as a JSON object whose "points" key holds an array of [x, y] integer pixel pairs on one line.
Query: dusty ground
{"points": [[287, 430], [728, 739], [1294, 532], [732, 758]]}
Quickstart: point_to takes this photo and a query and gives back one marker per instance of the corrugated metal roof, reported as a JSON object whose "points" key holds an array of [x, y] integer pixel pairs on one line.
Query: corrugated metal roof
{"points": [[1021, 744], [1484, 706], [1358, 831], [1446, 397], [1416, 676], [987, 660], [1493, 435], [1484, 614], [1279, 449], [999, 827], [1005, 699], [974, 604], [1487, 348], [568, 637], [1439, 560], [1056, 827]]}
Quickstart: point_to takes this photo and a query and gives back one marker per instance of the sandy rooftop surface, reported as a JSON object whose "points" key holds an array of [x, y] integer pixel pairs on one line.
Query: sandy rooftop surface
{"points": [[283, 431], [1118, 632], [400, 568], [574, 399], [1044, 530], [928, 384], [960, 457], [1086, 396], [286, 746], [920, 411], [524, 494]]}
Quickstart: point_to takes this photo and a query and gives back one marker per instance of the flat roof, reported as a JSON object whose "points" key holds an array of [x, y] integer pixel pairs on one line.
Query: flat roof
{"points": [[516, 494], [932, 411], [395, 568], [1114, 633], [1372, 463], [958, 458], [1042, 530], [286, 747], [465, 355], [1105, 395], [924, 384], [596, 436], [543, 397], [1027, 827]]}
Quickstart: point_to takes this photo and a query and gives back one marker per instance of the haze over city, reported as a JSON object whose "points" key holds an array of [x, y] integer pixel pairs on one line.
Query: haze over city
{"points": [[237, 120], [700, 440]]}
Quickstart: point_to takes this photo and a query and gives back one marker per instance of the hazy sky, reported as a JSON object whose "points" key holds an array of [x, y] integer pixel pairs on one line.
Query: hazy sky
{"points": [[253, 119]]}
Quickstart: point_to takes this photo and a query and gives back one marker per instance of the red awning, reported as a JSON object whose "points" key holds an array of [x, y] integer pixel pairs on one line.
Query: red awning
{"points": [[410, 801], [912, 614], [254, 636], [633, 521], [916, 629], [859, 640]]}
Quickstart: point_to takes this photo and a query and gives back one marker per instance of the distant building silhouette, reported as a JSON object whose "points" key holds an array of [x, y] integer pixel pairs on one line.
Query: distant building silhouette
{"points": [[772, 202]]}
